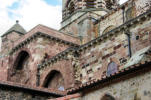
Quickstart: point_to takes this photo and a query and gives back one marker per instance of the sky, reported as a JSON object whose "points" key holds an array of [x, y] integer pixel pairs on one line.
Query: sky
{"points": [[31, 13]]}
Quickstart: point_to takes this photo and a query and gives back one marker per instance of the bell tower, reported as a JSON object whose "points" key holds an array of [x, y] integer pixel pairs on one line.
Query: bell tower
{"points": [[79, 15], [71, 6]]}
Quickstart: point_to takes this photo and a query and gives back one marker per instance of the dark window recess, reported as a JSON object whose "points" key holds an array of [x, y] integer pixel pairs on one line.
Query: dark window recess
{"points": [[112, 68], [76, 54], [122, 60], [137, 37], [90, 3], [107, 97], [21, 59], [80, 75], [55, 80], [71, 7]]}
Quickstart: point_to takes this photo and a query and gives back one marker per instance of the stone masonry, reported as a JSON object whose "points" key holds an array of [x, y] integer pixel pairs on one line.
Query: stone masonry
{"points": [[101, 52]]}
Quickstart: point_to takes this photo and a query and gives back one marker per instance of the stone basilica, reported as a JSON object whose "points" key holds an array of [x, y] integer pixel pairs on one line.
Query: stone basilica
{"points": [[101, 52]]}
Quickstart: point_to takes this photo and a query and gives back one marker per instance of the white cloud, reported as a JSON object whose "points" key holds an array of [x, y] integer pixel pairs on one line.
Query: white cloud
{"points": [[122, 1], [6, 3], [30, 13], [5, 21]]}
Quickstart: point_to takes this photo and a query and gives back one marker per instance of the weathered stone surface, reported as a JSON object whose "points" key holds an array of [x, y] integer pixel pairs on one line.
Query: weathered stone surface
{"points": [[48, 58], [135, 88]]}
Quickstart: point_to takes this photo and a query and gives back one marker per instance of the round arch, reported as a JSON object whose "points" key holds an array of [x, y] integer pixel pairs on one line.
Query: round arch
{"points": [[54, 80], [19, 72], [107, 97], [20, 60], [68, 1], [109, 28], [71, 7]]}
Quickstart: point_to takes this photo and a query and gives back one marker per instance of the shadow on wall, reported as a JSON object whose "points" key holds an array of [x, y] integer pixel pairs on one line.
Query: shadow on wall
{"points": [[54, 80], [20, 72], [107, 97]]}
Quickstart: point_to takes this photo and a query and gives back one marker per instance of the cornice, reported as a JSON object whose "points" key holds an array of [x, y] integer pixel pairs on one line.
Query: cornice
{"points": [[40, 34], [58, 57]]}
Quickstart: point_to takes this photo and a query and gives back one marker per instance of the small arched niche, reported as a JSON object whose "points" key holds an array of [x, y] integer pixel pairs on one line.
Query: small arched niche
{"points": [[71, 7], [109, 28], [90, 3], [112, 68], [54, 80], [107, 97]]}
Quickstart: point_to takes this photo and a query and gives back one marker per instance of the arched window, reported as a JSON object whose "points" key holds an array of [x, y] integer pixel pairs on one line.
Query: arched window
{"points": [[108, 29], [21, 60], [20, 72], [112, 68], [55, 80], [107, 97], [71, 7]]}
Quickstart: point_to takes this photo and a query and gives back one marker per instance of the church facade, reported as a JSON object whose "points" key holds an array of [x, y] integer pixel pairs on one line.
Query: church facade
{"points": [[101, 52]]}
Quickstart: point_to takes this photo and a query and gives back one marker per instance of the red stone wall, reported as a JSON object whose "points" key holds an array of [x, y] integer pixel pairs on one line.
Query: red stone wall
{"points": [[4, 68], [8, 42], [49, 31], [64, 67], [37, 50]]}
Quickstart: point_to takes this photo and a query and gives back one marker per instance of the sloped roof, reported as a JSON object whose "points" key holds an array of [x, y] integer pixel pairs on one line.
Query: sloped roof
{"points": [[141, 66], [16, 28], [137, 57]]}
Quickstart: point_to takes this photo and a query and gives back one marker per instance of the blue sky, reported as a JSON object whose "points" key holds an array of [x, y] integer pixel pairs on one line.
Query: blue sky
{"points": [[53, 2], [15, 5]]}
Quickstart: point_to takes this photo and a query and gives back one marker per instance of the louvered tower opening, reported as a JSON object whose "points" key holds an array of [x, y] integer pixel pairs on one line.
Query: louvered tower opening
{"points": [[71, 7], [90, 3]]}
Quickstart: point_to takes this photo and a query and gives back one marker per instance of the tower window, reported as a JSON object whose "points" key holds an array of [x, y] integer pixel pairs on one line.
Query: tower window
{"points": [[90, 3], [71, 7]]}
